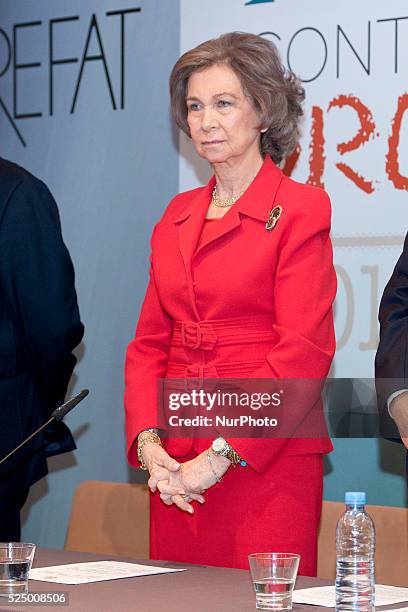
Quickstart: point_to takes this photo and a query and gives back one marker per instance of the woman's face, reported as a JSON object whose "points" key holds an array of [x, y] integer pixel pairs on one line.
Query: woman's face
{"points": [[223, 123]]}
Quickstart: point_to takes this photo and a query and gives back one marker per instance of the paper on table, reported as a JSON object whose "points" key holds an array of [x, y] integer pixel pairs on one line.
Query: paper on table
{"points": [[385, 595], [95, 571]]}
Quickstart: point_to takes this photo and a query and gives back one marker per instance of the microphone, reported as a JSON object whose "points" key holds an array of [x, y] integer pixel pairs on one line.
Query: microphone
{"points": [[57, 415], [61, 411]]}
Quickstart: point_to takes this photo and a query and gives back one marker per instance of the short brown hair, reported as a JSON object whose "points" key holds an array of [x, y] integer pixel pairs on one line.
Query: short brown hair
{"points": [[276, 92]]}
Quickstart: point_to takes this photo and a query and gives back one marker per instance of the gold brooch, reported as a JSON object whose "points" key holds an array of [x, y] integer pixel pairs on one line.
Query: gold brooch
{"points": [[274, 216]]}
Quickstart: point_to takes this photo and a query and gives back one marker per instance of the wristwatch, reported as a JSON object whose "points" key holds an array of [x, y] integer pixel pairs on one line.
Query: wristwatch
{"points": [[221, 447]]}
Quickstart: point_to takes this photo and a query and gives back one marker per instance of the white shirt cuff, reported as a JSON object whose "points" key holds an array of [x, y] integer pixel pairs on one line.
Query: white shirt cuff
{"points": [[392, 397]]}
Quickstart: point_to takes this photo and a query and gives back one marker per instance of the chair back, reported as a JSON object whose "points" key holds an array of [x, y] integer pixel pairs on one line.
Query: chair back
{"points": [[110, 518]]}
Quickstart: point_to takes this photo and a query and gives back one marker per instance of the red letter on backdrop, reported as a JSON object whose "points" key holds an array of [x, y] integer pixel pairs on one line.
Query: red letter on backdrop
{"points": [[291, 161], [367, 127], [316, 157], [392, 165]]}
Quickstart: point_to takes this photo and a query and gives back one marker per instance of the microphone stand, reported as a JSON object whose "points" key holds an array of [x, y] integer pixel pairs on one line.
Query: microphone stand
{"points": [[57, 415]]}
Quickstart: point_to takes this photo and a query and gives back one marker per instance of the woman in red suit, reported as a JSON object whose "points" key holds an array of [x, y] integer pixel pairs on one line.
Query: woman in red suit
{"points": [[241, 285]]}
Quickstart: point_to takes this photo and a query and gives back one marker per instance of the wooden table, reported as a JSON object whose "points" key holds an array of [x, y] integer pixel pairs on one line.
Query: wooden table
{"points": [[199, 589]]}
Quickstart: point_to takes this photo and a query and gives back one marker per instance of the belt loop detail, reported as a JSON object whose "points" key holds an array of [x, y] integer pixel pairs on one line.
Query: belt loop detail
{"points": [[198, 335], [193, 377]]}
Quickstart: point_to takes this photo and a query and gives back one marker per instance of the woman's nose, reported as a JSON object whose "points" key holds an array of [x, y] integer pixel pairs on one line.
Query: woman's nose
{"points": [[208, 118]]}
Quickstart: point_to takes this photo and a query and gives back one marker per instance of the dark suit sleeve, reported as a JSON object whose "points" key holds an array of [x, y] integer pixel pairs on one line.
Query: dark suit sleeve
{"points": [[391, 362], [38, 284]]}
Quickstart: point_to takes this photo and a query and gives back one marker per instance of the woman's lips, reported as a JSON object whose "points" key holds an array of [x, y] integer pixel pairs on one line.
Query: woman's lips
{"points": [[212, 142]]}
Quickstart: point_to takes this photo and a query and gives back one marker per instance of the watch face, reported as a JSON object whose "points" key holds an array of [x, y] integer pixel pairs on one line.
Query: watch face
{"points": [[218, 445]]}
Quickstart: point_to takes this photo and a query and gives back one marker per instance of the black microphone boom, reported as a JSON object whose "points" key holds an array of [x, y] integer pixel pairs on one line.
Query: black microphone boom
{"points": [[57, 415]]}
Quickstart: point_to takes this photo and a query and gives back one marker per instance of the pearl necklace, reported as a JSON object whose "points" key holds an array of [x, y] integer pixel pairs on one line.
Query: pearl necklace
{"points": [[224, 202]]}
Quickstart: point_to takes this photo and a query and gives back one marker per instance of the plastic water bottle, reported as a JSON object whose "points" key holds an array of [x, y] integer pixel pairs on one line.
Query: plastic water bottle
{"points": [[355, 548]]}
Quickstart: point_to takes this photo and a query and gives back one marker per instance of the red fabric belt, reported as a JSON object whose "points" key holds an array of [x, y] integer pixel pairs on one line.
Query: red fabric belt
{"points": [[218, 370], [205, 335], [193, 337]]}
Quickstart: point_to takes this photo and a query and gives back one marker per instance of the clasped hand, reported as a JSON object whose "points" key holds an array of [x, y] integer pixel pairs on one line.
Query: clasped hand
{"points": [[180, 483]]}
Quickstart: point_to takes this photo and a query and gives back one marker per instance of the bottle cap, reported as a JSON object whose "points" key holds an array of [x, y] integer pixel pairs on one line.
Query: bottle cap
{"points": [[355, 497]]}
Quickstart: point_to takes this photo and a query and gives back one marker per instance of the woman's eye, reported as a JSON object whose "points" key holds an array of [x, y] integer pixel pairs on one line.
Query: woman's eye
{"points": [[193, 106], [223, 103]]}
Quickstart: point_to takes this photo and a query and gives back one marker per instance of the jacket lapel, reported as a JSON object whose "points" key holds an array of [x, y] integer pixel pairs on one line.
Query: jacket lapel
{"points": [[257, 202], [190, 223], [223, 226]]}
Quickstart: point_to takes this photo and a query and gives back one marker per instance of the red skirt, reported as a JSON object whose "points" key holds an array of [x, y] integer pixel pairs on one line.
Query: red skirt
{"points": [[247, 512]]}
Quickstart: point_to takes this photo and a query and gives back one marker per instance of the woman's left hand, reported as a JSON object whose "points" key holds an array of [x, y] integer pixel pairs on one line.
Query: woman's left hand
{"points": [[199, 474], [195, 477]]}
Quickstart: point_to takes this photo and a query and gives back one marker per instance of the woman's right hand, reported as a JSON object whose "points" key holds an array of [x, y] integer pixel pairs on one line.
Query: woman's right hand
{"points": [[160, 465]]}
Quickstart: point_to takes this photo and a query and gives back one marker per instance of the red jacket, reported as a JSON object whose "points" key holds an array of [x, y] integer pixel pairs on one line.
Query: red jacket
{"points": [[248, 303]]}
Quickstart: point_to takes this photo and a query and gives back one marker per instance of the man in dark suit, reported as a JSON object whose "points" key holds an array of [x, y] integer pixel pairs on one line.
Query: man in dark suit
{"points": [[39, 328], [391, 362]]}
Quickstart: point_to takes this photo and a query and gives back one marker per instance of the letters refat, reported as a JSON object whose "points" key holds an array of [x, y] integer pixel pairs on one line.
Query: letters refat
{"points": [[19, 48]]}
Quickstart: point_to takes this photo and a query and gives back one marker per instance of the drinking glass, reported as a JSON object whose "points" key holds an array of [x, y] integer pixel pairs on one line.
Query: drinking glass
{"points": [[273, 576], [16, 559]]}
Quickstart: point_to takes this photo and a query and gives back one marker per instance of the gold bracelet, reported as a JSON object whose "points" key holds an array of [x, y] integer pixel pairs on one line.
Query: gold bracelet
{"points": [[152, 430], [233, 456], [143, 438]]}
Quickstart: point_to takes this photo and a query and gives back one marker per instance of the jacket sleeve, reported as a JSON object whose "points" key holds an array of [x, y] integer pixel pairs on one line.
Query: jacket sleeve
{"points": [[37, 279], [146, 363], [391, 361], [305, 288]]}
